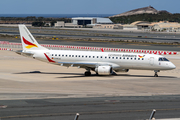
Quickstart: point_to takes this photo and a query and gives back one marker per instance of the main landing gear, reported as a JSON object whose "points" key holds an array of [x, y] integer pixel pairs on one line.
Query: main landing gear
{"points": [[155, 73], [88, 72]]}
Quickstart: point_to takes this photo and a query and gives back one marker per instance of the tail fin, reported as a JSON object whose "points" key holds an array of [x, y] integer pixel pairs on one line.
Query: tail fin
{"points": [[28, 41]]}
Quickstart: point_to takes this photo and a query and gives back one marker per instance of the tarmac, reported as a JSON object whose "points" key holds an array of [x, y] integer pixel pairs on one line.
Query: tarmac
{"points": [[26, 78], [31, 90]]}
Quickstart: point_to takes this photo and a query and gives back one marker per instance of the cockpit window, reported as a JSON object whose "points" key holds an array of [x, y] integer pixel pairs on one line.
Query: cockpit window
{"points": [[163, 59]]}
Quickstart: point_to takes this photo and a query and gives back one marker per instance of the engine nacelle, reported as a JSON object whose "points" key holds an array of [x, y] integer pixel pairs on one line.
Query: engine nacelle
{"points": [[104, 70], [122, 70]]}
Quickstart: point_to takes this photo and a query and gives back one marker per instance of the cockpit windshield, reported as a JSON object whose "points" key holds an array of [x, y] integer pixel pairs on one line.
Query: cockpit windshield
{"points": [[163, 59]]}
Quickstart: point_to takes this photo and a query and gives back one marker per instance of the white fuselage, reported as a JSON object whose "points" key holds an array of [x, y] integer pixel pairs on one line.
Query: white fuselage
{"points": [[103, 63], [116, 60]]}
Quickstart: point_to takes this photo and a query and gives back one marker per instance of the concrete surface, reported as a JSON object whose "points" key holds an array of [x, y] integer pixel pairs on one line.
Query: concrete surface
{"points": [[26, 78], [31, 90]]}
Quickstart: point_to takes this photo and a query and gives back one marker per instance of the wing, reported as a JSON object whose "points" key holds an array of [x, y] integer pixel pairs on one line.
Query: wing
{"points": [[78, 64], [85, 64]]}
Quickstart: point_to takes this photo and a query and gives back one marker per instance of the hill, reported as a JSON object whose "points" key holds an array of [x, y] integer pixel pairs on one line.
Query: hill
{"points": [[144, 10], [161, 16]]}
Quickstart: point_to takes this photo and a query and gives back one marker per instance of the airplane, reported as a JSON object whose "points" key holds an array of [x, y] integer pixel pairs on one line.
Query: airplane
{"points": [[102, 63]]}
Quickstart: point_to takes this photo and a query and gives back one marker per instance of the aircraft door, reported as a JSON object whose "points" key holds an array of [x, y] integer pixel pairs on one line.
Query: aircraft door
{"points": [[47, 53], [151, 62]]}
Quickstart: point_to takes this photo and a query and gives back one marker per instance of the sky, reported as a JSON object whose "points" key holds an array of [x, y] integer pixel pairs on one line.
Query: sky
{"points": [[83, 6]]}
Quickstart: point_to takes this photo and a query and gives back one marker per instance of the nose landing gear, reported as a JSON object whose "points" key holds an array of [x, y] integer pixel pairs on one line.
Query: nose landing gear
{"points": [[155, 73]]}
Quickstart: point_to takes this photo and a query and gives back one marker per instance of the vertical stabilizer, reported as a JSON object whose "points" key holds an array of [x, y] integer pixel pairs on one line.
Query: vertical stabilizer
{"points": [[28, 41]]}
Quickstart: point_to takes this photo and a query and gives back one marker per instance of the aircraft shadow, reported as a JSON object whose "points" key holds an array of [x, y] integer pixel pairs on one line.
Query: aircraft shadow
{"points": [[38, 72], [76, 75], [128, 75]]}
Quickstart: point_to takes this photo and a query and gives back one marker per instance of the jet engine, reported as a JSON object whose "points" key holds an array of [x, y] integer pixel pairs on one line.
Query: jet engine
{"points": [[104, 70]]}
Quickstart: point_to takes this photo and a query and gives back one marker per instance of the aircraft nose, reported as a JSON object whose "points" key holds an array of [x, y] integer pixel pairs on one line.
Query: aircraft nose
{"points": [[172, 66]]}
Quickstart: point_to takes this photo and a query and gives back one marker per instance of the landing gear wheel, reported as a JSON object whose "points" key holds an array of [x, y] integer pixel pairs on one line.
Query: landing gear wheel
{"points": [[113, 73], [156, 75], [97, 73], [87, 73]]}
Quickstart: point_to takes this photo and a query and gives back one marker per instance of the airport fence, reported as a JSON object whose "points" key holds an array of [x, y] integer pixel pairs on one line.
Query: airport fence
{"points": [[5, 45]]}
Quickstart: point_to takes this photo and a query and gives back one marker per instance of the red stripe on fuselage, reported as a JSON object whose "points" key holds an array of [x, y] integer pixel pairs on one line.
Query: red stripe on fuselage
{"points": [[49, 58]]}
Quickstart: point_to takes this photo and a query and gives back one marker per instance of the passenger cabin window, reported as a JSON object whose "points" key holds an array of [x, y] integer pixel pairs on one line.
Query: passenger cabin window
{"points": [[163, 59], [55, 54], [101, 56], [52, 54], [59, 55]]}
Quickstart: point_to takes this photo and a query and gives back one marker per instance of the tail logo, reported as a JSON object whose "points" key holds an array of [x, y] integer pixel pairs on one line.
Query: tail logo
{"points": [[29, 44]]}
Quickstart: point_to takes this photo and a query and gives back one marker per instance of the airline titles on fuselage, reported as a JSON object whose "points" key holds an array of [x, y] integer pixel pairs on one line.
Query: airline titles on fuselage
{"points": [[122, 55]]}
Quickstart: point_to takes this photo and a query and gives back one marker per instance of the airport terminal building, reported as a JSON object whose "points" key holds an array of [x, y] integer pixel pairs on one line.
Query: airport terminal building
{"points": [[84, 21], [106, 23], [90, 21]]}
